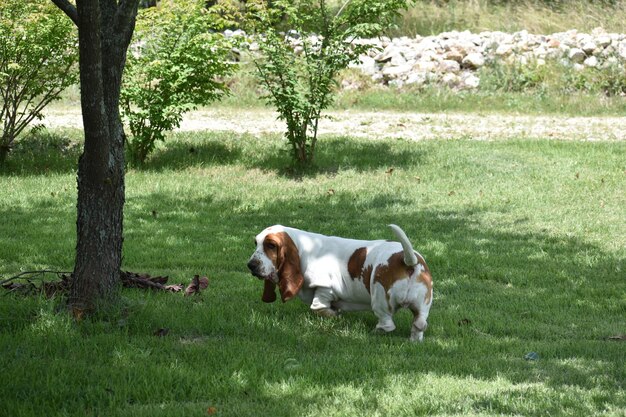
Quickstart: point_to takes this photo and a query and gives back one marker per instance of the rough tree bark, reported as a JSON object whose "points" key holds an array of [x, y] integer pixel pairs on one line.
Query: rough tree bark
{"points": [[105, 28]]}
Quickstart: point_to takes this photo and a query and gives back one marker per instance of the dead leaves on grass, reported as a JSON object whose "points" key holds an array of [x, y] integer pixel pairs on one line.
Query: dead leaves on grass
{"points": [[61, 286], [48, 288], [145, 281], [197, 284]]}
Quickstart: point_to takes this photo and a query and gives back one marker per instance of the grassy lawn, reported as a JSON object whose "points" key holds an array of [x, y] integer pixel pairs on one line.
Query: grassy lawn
{"points": [[526, 240], [441, 99]]}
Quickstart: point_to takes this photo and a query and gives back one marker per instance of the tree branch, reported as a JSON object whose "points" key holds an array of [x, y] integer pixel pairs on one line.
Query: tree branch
{"points": [[68, 8], [40, 272], [124, 22]]}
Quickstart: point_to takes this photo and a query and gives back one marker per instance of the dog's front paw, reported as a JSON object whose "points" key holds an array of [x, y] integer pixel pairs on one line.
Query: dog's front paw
{"points": [[326, 312]]}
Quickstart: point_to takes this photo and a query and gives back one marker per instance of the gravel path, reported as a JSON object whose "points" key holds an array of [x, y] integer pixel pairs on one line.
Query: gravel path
{"points": [[414, 126]]}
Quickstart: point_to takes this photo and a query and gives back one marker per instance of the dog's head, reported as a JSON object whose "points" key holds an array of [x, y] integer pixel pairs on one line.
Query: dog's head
{"points": [[276, 261]]}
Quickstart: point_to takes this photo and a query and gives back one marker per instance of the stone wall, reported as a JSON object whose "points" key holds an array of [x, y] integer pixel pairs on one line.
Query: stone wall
{"points": [[454, 58]]}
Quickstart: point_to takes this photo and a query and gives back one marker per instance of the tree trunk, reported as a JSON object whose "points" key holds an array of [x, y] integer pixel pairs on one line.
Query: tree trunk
{"points": [[104, 32], [4, 152]]}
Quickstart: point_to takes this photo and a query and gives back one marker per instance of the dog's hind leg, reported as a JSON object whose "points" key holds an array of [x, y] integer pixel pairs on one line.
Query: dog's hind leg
{"points": [[419, 323]]}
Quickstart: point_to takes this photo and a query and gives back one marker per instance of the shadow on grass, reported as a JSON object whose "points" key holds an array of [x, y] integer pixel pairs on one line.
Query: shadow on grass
{"points": [[502, 282], [499, 294], [43, 152], [58, 151], [271, 153]]}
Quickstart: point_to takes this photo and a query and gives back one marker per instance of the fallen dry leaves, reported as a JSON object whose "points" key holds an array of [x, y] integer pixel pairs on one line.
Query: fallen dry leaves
{"points": [[61, 286], [197, 284]]}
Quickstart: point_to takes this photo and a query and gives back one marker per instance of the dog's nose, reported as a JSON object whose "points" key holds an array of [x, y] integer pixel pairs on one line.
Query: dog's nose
{"points": [[252, 265]]}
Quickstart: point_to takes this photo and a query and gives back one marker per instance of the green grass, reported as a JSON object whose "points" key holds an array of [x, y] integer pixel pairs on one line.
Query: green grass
{"points": [[526, 240], [557, 90], [429, 17], [432, 99]]}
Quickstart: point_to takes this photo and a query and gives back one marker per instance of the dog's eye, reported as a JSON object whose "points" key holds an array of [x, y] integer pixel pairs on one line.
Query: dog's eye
{"points": [[270, 245]]}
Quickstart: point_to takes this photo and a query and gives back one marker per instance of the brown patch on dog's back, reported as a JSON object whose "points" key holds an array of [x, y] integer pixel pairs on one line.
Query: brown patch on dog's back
{"points": [[395, 270], [366, 276], [356, 261], [355, 267]]}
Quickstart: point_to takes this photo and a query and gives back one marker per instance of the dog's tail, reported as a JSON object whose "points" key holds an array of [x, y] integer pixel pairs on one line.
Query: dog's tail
{"points": [[410, 259]]}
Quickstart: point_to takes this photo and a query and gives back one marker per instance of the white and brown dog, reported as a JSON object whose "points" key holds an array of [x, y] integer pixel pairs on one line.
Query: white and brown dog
{"points": [[333, 274]]}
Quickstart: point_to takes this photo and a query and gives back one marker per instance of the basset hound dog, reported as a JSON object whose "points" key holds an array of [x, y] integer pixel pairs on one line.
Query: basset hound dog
{"points": [[333, 274]]}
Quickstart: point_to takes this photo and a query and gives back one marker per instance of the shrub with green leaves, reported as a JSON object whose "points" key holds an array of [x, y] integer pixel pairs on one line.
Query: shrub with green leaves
{"points": [[553, 76], [38, 53], [173, 66], [303, 45], [513, 77]]}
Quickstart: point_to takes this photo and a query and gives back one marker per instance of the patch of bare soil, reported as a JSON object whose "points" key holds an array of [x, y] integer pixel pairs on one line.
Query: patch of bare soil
{"points": [[411, 126]]}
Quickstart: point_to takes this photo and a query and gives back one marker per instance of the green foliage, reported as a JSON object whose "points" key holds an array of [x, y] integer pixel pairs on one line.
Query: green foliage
{"points": [[298, 67], [498, 75], [553, 77], [609, 80], [227, 14], [174, 65], [38, 51]]}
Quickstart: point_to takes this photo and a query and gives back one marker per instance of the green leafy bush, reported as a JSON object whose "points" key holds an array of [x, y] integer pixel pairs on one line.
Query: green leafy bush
{"points": [[38, 52], [513, 77], [173, 66], [303, 46], [553, 76], [609, 79]]}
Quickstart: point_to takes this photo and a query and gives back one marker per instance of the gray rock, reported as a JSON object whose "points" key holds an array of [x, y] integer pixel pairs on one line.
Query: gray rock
{"points": [[588, 47], [453, 58], [576, 55], [397, 59], [504, 50], [473, 60], [391, 72], [387, 53], [603, 40], [592, 62], [416, 78], [397, 83], [450, 80], [471, 81], [449, 66], [367, 65]]}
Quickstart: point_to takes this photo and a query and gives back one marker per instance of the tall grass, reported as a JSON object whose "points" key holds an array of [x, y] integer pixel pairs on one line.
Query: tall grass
{"points": [[428, 17]]}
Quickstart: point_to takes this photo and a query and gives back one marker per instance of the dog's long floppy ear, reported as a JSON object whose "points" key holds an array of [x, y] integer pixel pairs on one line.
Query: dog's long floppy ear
{"points": [[269, 291], [290, 277]]}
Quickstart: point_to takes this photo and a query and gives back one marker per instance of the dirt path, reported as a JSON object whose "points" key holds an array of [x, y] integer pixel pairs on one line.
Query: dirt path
{"points": [[414, 126]]}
